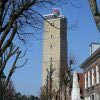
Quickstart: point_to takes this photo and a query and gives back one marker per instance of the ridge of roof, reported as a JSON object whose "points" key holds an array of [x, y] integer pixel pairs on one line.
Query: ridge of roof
{"points": [[98, 50]]}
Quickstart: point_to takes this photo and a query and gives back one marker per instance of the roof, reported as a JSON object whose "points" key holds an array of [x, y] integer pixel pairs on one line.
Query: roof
{"points": [[94, 43], [96, 54]]}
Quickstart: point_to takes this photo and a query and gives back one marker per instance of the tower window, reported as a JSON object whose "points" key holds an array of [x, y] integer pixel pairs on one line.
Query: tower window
{"points": [[50, 46], [51, 36], [51, 59], [52, 24]]}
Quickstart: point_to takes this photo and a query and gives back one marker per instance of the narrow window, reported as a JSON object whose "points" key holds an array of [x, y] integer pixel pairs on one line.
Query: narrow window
{"points": [[93, 77], [52, 24], [86, 98], [51, 59], [92, 97], [51, 36], [97, 74], [85, 81], [50, 46], [89, 78], [98, 96], [89, 98]]}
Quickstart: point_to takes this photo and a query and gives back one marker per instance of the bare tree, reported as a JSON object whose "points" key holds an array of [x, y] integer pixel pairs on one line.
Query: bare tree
{"points": [[96, 12], [15, 15], [49, 86], [47, 91], [10, 52], [43, 94], [67, 78], [10, 91]]}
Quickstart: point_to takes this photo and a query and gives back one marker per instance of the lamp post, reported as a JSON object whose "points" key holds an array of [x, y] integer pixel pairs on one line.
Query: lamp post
{"points": [[2, 81]]}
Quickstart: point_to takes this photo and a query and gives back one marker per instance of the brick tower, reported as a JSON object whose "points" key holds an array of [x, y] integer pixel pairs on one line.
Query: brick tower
{"points": [[54, 48]]}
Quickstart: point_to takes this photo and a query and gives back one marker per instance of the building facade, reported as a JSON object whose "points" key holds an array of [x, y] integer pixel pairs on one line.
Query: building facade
{"points": [[54, 49], [91, 69]]}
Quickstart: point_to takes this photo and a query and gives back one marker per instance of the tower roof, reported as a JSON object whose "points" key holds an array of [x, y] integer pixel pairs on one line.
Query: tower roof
{"points": [[55, 14]]}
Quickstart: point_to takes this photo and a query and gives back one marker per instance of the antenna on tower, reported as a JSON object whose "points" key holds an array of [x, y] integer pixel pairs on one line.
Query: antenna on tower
{"points": [[57, 10], [56, 13]]}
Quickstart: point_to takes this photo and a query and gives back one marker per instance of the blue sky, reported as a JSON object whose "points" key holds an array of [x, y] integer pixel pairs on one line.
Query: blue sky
{"points": [[27, 80]]}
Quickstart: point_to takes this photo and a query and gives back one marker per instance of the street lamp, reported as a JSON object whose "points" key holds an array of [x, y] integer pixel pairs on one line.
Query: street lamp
{"points": [[2, 81]]}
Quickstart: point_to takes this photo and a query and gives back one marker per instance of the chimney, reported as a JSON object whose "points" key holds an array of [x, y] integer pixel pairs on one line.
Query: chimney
{"points": [[93, 47]]}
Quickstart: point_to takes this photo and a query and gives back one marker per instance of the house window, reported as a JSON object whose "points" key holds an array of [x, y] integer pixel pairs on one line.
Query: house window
{"points": [[98, 96], [97, 74], [89, 82], [89, 98], [93, 96], [85, 81], [56, 97], [93, 77], [86, 98]]}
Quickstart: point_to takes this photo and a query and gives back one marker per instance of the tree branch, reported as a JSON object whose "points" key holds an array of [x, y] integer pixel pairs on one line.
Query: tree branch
{"points": [[12, 69]]}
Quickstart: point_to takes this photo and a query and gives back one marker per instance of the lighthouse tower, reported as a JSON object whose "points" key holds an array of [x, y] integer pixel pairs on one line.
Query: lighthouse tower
{"points": [[54, 48]]}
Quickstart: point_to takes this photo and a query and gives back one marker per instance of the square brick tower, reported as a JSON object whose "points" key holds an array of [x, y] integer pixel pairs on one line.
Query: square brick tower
{"points": [[54, 48]]}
